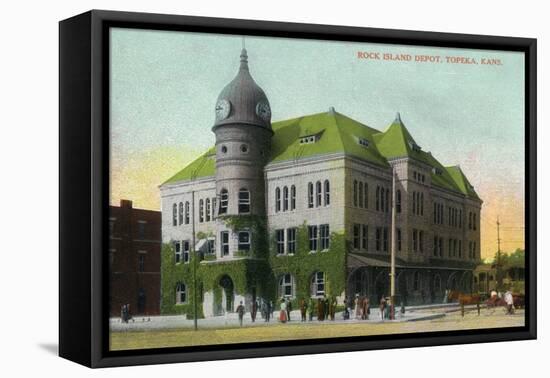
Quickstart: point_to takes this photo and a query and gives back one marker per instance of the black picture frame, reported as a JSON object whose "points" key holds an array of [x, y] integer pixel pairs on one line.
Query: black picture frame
{"points": [[83, 180]]}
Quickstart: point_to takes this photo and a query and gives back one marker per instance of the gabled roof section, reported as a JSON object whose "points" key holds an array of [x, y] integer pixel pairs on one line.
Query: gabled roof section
{"points": [[461, 181], [336, 133], [203, 166]]}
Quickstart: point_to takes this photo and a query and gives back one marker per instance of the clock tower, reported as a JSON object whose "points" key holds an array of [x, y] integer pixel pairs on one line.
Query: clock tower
{"points": [[243, 141]]}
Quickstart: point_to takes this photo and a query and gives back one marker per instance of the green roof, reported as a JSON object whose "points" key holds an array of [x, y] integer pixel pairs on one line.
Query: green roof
{"points": [[203, 166], [336, 133]]}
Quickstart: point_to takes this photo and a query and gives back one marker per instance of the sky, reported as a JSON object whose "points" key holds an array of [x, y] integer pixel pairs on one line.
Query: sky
{"points": [[164, 86]]}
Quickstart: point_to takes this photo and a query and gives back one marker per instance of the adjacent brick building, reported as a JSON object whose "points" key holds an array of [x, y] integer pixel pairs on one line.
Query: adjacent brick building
{"points": [[134, 258]]}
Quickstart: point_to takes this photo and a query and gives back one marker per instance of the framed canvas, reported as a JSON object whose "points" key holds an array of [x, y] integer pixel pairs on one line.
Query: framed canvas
{"points": [[235, 188]]}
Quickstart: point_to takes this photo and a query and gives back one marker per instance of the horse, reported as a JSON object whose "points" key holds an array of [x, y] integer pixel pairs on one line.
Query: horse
{"points": [[495, 301], [465, 300]]}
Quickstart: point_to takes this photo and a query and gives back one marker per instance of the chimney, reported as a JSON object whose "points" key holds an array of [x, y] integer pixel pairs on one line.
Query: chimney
{"points": [[125, 204]]}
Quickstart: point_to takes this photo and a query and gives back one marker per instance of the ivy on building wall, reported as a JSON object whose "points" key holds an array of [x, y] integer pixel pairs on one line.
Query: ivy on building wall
{"points": [[257, 272]]}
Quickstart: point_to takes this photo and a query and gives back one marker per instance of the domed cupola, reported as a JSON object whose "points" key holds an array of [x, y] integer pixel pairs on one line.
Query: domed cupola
{"points": [[242, 101]]}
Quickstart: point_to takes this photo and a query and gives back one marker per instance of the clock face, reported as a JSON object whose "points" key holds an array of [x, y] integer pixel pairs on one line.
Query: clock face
{"points": [[263, 111], [223, 108]]}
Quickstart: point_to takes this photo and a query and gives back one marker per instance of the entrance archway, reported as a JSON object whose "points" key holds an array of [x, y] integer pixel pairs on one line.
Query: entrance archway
{"points": [[381, 285], [358, 283], [226, 283]]}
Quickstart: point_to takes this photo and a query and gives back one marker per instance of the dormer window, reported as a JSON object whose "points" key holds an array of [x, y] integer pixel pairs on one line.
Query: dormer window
{"points": [[364, 142], [437, 171], [415, 147], [309, 139]]}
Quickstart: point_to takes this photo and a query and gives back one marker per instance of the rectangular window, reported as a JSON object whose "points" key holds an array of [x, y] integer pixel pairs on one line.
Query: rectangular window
{"points": [[399, 239], [186, 251], [280, 241], [244, 201], [208, 210], [291, 240], [211, 247], [325, 236], [141, 262], [319, 284], [285, 198], [378, 238], [177, 251], [421, 241], [187, 215], [224, 241], [312, 233], [450, 248], [415, 241], [292, 197], [141, 230], [365, 238], [460, 248], [244, 241], [356, 236], [201, 211], [435, 247], [224, 201]]}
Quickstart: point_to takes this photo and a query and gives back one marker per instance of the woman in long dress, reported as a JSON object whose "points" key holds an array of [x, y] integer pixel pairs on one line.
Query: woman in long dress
{"points": [[282, 314]]}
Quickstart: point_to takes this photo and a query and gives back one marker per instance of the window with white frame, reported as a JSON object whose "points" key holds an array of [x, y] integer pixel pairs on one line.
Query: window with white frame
{"points": [[285, 198], [181, 293], [327, 193], [318, 284], [201, 210], [361, 194], [224, 201], [180, 213], [286, 286], [280, 241], [355, 198], [224, 243], [310, 195], [319, 194], [292, 197], [187, 212], [244, 241], [312, 234], [185, 245], [324, 236], [211, 246], [177, 252], [277, 199], [244, 201], [174, 215], [208, 210], [291, 240], [366, 194]]}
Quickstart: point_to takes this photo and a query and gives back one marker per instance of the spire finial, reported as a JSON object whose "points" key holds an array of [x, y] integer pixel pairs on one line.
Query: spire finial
{"points": [[244, 57], [398, 118]]}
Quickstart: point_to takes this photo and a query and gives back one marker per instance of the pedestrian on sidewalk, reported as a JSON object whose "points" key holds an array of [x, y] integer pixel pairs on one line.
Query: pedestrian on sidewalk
{"points": [[509, 298], [303, 309], [311, 308], [288, 303], [240, 311], [365, 309], [254, 310], [283, 313], [382, 307]]}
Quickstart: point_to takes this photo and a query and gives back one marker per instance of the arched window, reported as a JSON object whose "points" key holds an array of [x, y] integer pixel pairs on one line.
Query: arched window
{"points": [[244, 201], [285, 198], [208, 209], [416, 280], [175, 215], [180, 213], [421, 203], [181, 293], [382, 195], [318, 284], [292, 197], [360, 194], [387, 208], [186, 212], [319, 194], [286, 286], [414, 203], [355, 193], [398, 201], [201, 210], [366, 188], [475, 221], [327, 193], [224, 201], [277, 199], [310, 195]]}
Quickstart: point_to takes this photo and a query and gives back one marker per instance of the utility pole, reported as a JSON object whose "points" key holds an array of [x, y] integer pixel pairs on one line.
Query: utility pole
{"points": [[393, 242], [498, 271], [195, 258]]}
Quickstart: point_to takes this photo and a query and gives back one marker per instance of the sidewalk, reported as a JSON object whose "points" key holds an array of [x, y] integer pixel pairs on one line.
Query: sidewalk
{"points": [[232, 320]]}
